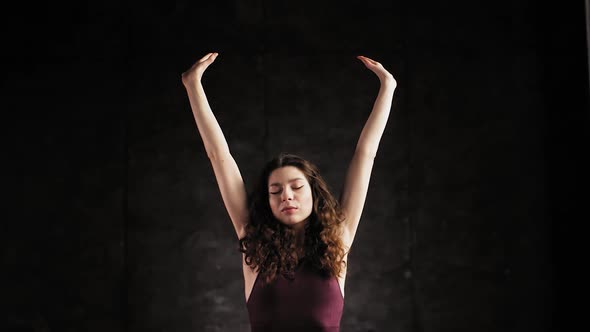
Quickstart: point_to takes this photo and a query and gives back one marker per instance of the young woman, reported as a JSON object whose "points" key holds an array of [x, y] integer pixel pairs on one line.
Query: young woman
{"points": [[293, 234]]}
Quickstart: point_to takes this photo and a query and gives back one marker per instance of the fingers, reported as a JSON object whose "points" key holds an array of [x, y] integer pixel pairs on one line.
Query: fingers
{"points": [[366, 60], [205, 57], [209, 56]]}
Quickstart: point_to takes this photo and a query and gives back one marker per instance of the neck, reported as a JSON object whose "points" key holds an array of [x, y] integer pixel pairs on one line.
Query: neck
{"points": [[300, 239]]}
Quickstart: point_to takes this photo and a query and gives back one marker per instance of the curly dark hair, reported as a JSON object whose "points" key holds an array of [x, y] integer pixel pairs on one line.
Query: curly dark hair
{"points": [[269, 245]]}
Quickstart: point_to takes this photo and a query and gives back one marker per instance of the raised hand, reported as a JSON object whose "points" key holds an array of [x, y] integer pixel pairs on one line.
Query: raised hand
{"points": [[377, 68], [195, 73]]}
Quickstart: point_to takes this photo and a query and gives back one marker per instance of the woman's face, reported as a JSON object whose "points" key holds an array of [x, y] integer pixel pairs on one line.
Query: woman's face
{"points": [[290, 197]]}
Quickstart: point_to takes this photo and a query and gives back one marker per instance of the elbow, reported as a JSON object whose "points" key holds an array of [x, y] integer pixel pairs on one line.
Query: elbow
{"points": [[366, 152], [216, 155]]}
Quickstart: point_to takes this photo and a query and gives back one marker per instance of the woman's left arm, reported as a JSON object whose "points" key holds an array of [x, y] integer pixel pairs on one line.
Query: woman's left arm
{"points": [[356, 183]]}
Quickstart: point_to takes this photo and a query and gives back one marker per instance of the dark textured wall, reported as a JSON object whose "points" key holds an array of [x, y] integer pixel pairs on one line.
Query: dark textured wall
{"points": [[122, 226]]}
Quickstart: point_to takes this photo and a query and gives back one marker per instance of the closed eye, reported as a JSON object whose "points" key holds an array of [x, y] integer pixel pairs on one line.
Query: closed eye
{"points": [[278, 192]]}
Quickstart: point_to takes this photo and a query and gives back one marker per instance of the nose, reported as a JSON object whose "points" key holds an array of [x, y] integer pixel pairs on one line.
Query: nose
{"points": [[287, 194]]}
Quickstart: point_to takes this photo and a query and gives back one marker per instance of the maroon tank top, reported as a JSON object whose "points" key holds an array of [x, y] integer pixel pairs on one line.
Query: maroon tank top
{"points": [[308, 302]]}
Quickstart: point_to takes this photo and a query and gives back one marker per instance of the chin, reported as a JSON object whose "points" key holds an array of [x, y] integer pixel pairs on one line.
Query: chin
{"points": [[290, 222], [293, 223]]}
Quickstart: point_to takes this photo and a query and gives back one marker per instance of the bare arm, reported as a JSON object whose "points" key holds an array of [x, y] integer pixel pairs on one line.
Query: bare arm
{"points": [[227, 173], [356, 183], [375, 125], [211, 133]]}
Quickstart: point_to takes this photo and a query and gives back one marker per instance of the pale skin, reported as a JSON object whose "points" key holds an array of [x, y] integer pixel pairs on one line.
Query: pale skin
{"points": [[288, 187], [284, 192]]}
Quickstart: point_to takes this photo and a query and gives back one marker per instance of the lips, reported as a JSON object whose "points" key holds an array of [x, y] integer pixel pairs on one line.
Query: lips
{"points": [[289, 208]]}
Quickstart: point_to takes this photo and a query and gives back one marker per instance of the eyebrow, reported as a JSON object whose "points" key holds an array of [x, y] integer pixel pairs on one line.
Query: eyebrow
{"points": [[278, 184]]}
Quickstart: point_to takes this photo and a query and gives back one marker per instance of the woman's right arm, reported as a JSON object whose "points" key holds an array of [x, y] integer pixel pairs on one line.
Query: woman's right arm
{"points": [[227, 173]]}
